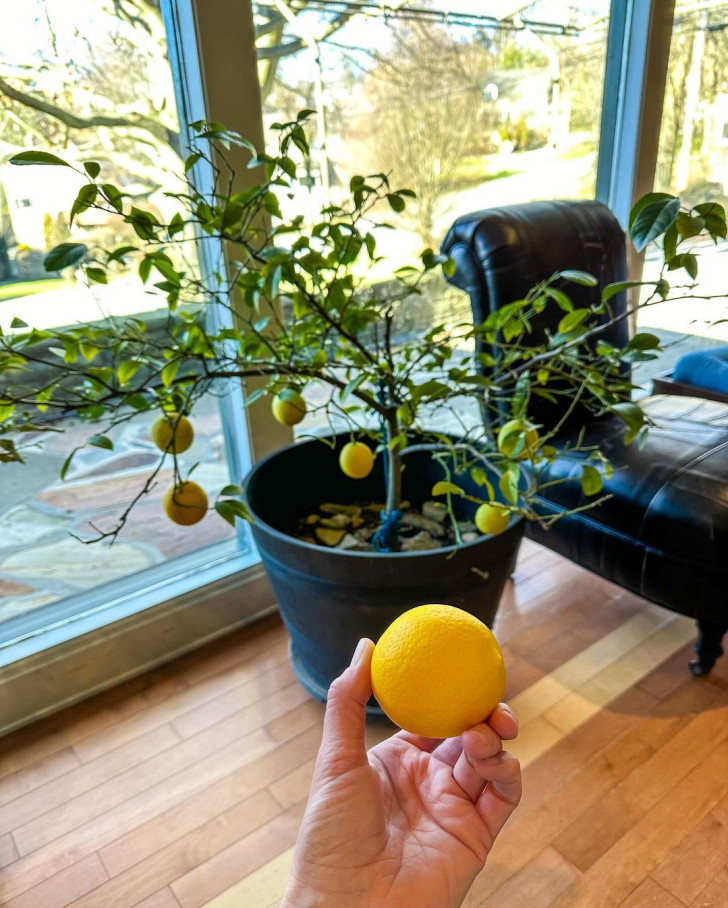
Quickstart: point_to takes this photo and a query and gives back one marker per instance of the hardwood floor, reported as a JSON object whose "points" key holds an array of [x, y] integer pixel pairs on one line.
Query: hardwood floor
{"points": [[185, 787]]}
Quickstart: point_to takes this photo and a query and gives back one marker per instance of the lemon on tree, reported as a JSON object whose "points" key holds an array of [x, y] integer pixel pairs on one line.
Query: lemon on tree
{"points": [[491, 519], [437, 671], [356, 459], [185, 503], [172, 432], [518, 432], [288, 408]]}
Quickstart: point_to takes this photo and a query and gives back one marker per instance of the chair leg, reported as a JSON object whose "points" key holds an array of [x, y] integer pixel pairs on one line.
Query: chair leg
{"points": [[708, 647]]}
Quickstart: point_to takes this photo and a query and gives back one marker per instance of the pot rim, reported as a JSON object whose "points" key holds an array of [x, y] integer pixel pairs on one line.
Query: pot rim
{"points": [[516, 519]]}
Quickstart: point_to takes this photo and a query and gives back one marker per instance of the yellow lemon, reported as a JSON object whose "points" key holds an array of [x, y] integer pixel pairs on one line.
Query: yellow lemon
{"points": [[172, 432], [185, 504], [491, 520], [510, 435], [356, 459], [437, 670], [289, 412]]}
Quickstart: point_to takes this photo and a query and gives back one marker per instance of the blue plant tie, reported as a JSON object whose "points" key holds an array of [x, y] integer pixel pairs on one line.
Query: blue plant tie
{"points": [[380, 540]]}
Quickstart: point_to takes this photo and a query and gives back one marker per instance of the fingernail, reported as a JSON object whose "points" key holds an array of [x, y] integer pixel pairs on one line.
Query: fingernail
{"points": [[359, 652]]}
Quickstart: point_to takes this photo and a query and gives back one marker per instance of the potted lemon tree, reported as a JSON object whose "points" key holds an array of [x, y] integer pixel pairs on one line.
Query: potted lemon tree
{"points": [[393, 506]]}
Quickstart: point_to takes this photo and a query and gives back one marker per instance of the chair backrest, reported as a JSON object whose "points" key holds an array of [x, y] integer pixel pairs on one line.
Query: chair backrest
{"points": [[500, 253]]}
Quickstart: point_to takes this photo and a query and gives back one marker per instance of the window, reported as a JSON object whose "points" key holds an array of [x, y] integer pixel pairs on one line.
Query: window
{"points": [[92, 64], [692, 162]]}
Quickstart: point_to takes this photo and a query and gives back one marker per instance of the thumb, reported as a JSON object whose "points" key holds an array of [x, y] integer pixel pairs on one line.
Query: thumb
{"points": [[342, 746]]}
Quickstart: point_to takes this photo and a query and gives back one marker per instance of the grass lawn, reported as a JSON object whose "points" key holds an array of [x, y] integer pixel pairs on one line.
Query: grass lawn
{"points": [[28, 288]]}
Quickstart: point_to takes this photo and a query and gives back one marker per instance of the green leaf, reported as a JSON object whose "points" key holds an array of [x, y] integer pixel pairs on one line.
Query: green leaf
{"points": [[64, 256], [629, 413], [232, 490], [446, 488], [688, 226], [613, 289], [562, 300], [644, 201], [644, 341], [508, 483], [85, 199], [353, 385], [67, 463], [479, 477], [580, 277], [127, 370], [230, 508], [685, 260], [573, 320], [101, 441], [138, 401], [92, 169], [653, 220], [112, 196], [97, 275], [395, 202], [169, 373], [38, 157], [591, 480]]}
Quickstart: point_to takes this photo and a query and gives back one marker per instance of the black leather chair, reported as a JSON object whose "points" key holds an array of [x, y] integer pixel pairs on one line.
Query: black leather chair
{"points": [[664, 532]]}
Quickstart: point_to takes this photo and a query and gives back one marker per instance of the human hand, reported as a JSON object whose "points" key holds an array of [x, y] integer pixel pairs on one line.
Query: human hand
{"points": [[409, 823]]}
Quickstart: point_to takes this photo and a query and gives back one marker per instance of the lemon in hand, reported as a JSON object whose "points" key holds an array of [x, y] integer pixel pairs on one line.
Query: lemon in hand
{"points": [[491, 520], [356, 460], [172, 432], [288, 411], [510, 435], [185, 503], [437, 671]]}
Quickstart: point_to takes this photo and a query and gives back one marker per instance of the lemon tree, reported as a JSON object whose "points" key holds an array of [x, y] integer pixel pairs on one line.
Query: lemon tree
{"points": [[438, 670], [296, 312]]}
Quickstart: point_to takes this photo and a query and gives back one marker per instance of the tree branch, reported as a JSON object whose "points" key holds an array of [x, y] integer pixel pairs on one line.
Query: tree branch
{"points": [[73, 121]]}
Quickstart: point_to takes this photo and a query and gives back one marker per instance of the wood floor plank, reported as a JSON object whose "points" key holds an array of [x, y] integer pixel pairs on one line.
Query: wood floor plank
{"points": [[62, 888], [650, 894], [294, 786], [83, 778], [698, 858], [541, 819], [109, 824], [192, 755], [184, 854], [245, 677], [713, 896], [218, 708], [37, 773], [244, 856], [294, 721], [262, 888], [643, 847], [168, 825], [8, 850], [535, 885], [589, 837], [164, 898]]}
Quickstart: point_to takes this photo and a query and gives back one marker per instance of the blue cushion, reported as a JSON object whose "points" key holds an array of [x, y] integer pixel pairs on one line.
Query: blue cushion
{"points": [[704, 368]]}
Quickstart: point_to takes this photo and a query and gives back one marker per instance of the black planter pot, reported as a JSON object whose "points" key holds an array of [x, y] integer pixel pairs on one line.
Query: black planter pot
{"points": [[329, 599]]}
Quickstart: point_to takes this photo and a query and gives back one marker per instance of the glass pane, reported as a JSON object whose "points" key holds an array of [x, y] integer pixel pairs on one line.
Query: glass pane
{"points": [[88, 81], [470, 103], [693, 163]]}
